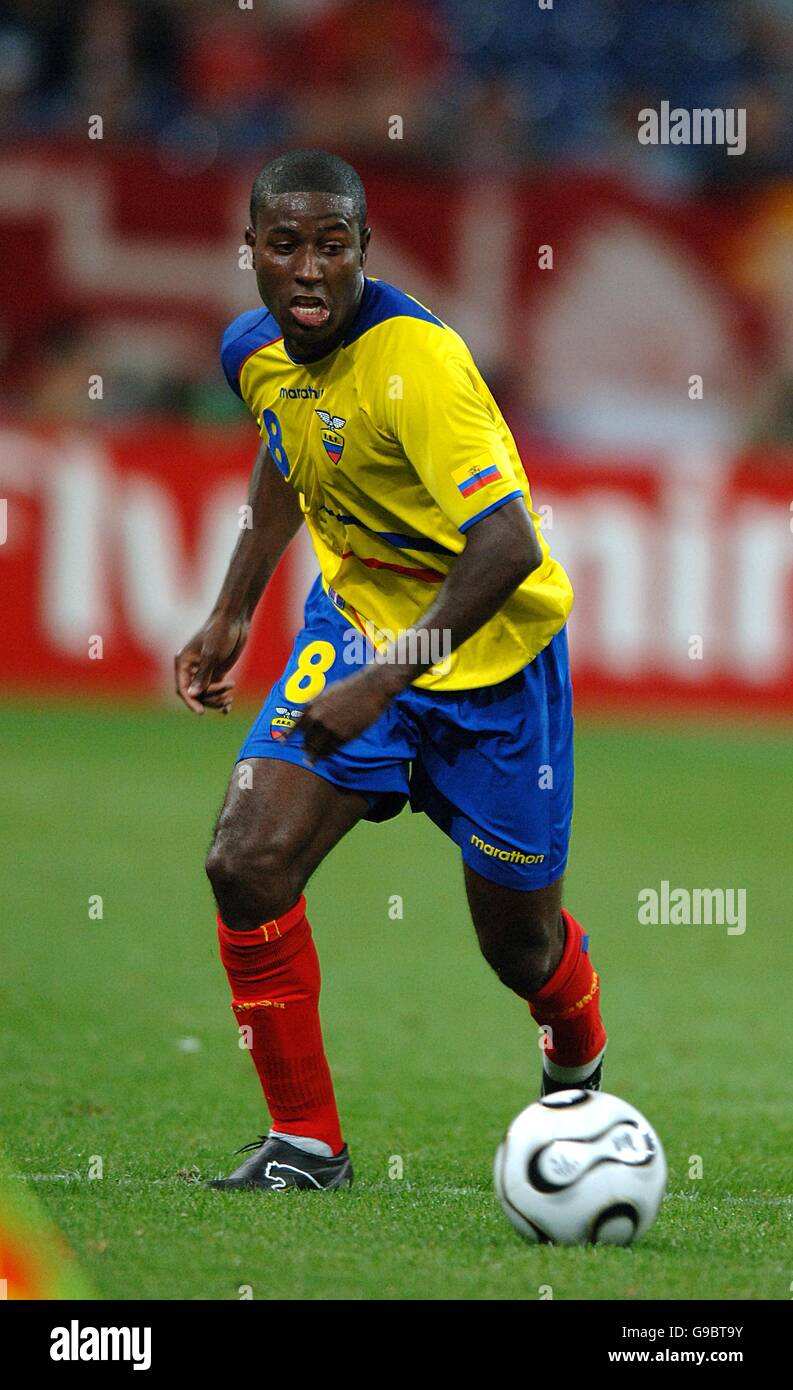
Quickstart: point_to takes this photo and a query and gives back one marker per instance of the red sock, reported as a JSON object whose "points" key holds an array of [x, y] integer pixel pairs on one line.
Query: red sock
{"points": [[569, 1003], [274, 977]]}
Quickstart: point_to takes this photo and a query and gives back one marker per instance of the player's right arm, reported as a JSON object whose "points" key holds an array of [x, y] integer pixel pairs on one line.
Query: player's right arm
{"points": [[203, 662]]}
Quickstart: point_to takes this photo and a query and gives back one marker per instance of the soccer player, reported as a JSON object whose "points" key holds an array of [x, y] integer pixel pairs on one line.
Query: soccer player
{"points": [[432, 665]]}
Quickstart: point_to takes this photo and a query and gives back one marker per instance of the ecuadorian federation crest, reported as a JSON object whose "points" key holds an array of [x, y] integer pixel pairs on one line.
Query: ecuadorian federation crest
{"points": [[332, 440], [282, 721]]}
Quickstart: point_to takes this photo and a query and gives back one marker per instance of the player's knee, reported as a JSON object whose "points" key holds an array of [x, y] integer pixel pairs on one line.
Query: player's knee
{"points": [[220, 867], [278, 874], [253, 880], [524, 971], [525, 956]]}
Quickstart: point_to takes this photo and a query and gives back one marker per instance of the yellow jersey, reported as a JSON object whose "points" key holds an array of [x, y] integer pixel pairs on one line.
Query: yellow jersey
{"points": [[397, 448]]}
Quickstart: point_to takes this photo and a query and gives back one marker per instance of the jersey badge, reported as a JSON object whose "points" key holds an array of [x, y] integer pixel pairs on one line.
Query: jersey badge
{"points": [[332, 440], [283, 721]]}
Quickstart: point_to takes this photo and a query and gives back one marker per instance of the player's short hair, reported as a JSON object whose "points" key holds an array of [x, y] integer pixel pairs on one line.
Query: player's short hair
{"points": [[309, 171]]}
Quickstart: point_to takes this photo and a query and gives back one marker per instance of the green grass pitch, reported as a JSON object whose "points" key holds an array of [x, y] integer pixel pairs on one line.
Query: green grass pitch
{"points": [[121, 1046]]}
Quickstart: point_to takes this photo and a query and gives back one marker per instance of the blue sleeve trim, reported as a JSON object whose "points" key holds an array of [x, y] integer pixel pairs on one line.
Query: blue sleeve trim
{"points": [[251, 331], [492, 508]]}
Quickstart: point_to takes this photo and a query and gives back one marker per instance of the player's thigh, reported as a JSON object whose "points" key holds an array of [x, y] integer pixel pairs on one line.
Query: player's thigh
{"points": [[278, 814]]}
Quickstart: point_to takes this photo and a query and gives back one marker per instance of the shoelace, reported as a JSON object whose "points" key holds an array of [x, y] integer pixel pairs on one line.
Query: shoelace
{"points": [[254, 1144]]}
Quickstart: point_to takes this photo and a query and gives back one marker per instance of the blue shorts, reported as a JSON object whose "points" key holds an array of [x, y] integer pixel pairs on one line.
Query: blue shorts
{"points": [[493, 767]]}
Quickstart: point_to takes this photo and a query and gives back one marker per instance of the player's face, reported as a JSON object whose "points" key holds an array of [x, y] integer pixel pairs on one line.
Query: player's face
{"points": [[309, 256]]}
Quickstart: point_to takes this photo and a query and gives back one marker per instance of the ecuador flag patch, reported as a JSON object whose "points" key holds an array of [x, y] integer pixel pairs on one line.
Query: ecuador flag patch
{"points": [[471, 477]]}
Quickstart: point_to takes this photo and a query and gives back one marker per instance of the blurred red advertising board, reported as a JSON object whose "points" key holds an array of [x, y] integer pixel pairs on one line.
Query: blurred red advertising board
{"points": [[684, 584]]}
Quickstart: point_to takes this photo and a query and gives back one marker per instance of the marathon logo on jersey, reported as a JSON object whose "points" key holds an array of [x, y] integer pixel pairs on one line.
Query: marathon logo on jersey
{"points": [[283, 720], [332, 440], [471, 477]]}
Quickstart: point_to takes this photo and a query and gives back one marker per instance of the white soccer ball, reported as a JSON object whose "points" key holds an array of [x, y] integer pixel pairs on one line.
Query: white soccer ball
{"points": [[580, 1167]]}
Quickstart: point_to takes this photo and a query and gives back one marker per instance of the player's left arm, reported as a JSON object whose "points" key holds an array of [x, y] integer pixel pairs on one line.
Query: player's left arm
{"points": [[501, 550]]}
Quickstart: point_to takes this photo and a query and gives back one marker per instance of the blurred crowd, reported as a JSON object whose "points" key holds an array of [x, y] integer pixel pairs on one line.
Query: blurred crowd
{"points": [[511, 87], [476, 82]]}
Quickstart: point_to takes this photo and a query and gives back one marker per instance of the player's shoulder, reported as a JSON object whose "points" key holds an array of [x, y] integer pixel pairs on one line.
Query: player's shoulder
{"points": [[390, 320], [247, 333]]}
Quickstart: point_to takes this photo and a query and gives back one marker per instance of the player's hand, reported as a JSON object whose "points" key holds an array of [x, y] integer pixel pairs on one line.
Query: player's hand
{"points": [[201, 665], [343, 711]]}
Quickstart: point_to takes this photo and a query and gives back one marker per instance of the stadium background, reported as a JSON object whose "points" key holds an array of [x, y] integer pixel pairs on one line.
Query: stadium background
{"points": [[123, 459]]}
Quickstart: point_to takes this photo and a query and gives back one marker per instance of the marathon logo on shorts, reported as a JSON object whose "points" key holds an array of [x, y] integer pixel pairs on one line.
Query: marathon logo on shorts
{"points": [[507, 856], [283, 720], [471, 479]]}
